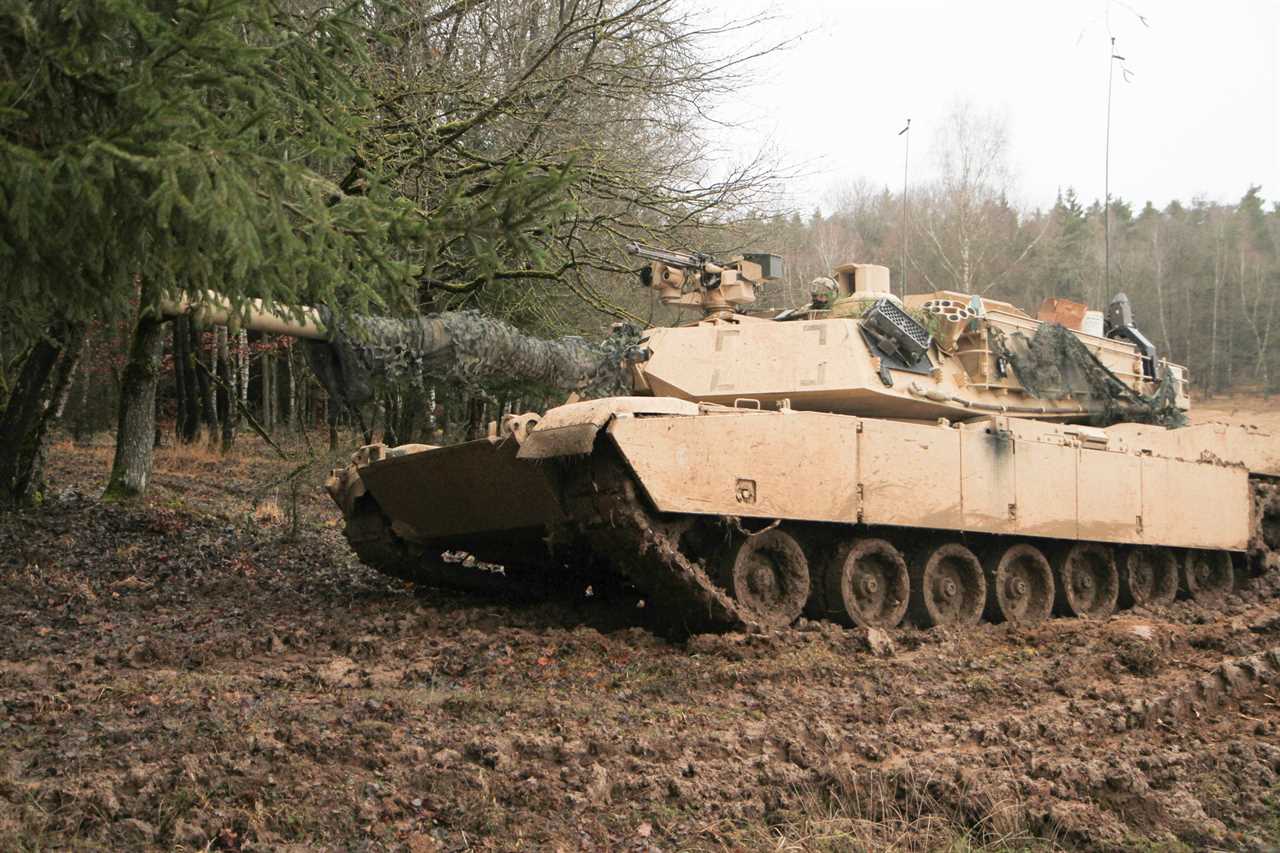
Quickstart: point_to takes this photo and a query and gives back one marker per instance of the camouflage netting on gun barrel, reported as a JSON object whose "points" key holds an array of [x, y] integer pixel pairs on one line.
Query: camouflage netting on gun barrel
{"points": [[1054, 364], [465, 347]]}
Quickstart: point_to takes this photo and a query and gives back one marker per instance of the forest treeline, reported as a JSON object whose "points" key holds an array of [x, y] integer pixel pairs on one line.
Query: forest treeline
{"points": [[393, 159]]}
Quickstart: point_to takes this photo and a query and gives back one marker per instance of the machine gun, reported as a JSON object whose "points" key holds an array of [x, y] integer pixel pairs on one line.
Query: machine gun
{"points": [[698, 281]]}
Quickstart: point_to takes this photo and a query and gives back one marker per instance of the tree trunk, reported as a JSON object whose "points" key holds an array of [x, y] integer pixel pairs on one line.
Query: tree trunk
{"points": [[32, 407], [21, 416], [410, 405], [182, 394], [242, 371], [1230, 355], [305, 404], [291, 392], [391, 420], [203, 365], [64, 374], [1188, 325], [191, 379], [1213, 323], [1158, 264], [268, 389], [1215, 379], [226, 389], [475, 418], [131, 467], [81, 421]]}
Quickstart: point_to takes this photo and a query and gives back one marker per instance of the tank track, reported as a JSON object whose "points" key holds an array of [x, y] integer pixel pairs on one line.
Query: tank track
{"points": [[616, 526], [602, 497], [685, 594], [1264, 543], [370, 535], [690, 595]]}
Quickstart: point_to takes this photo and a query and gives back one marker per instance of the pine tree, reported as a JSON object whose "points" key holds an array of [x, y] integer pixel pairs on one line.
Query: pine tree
{"points": [[1070, 249], [187, 144], [148, 147]]}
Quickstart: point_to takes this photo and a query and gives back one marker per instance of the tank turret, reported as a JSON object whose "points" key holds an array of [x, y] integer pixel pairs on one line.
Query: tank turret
{"points": [[857, 349]]}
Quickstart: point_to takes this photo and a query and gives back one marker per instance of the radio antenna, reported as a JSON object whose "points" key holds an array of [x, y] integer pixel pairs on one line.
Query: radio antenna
{"points": [[906, 160]]}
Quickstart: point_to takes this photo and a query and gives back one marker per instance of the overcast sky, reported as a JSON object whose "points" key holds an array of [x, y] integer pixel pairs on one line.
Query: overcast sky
{"points": [[1200, 116]]}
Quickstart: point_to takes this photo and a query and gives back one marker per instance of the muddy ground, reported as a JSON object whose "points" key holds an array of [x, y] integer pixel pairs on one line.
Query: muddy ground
{"points": [[185, 675]]}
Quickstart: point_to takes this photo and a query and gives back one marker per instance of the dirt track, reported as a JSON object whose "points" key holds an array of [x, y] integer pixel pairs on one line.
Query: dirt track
{"points": [[177, 675], [1240, 409]]}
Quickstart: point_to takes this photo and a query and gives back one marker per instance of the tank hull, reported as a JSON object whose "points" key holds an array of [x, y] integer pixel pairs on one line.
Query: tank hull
{"points": [[627, 475], [996, 475]]}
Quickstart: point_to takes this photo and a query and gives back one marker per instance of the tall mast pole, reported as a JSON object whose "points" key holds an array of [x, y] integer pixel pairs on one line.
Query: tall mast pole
{"points": [[1106, 182], [906, 232]]}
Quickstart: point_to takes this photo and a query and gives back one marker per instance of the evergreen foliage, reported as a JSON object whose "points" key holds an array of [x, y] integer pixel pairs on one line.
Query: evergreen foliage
{"points": [[193, 143], [1070, 247]]}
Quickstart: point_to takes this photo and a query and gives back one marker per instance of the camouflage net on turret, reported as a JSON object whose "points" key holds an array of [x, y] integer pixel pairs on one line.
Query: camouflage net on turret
{"points": [[1054, 364], [467, 348]]}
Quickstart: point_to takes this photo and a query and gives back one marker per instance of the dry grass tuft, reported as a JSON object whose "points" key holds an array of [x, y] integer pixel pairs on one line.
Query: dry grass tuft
{"points": [[904, 811], [100, 453], [199, 452], [268, 513]]}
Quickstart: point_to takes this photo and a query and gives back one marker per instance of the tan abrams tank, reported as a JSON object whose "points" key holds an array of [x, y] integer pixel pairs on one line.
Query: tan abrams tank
{"points": [[859, 460]]}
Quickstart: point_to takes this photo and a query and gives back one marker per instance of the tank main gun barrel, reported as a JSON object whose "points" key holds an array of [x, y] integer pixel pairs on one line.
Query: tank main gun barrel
{"points": [[349, 355], [216, 309]]}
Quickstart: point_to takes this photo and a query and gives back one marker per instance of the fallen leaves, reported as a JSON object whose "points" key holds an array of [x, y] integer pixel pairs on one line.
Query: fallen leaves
{"points": [[339, 672], [132, 584]]}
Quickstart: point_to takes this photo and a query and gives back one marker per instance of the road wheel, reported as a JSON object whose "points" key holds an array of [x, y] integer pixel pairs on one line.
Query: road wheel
{"points": [[1019, 585], [768, 575], [863, 582], [1088, 585], [1208, 576], [1150, 577], [947, 587]]}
